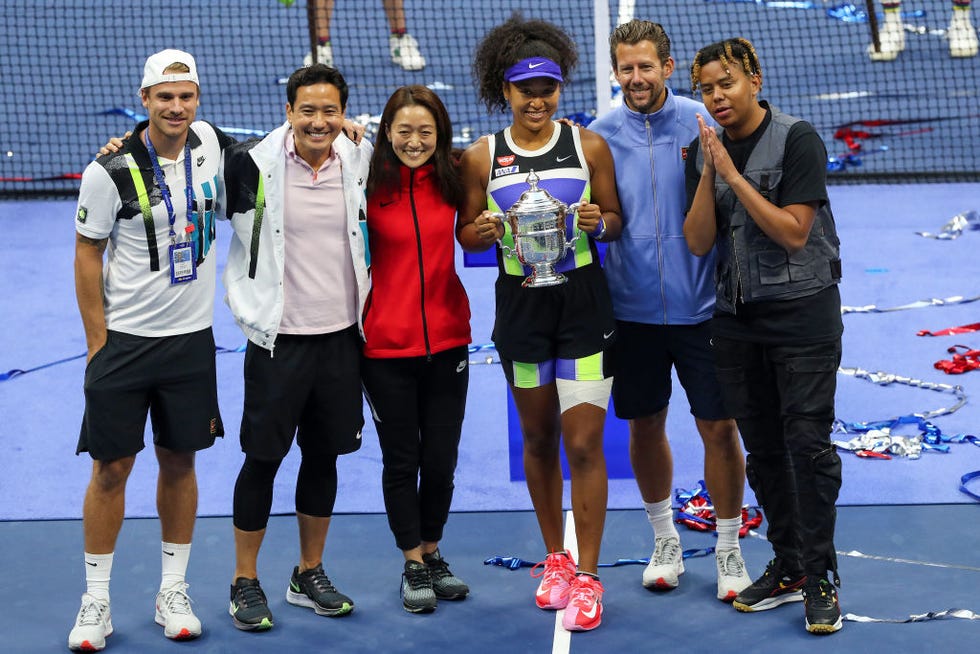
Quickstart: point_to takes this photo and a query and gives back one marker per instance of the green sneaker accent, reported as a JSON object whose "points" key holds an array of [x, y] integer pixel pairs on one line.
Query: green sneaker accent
{"points": [[314, 590], [249, 608]]}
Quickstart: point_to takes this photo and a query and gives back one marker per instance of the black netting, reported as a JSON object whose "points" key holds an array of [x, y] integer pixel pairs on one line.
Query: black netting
{"points": [[70, 69]]}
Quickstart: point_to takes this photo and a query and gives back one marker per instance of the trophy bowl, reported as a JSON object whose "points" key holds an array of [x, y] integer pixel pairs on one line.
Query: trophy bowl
{"points": [[537, 223]]}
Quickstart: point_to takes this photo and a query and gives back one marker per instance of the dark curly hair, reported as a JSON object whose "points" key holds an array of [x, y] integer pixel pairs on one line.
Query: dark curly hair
{"points": [[510, 42]]}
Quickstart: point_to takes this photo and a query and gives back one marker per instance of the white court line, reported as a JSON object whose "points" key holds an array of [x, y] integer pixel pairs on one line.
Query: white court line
{"points": [[563, 639]]}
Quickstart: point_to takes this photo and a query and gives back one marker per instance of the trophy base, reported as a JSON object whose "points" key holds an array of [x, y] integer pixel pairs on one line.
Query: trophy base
{"points": [[536, 280]]}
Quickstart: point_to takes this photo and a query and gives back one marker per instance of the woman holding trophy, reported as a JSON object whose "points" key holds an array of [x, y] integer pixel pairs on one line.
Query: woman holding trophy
{"points": [[552, 331], [416, 327]]}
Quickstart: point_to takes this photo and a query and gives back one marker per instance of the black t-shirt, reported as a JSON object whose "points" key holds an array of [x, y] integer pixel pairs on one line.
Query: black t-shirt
{"points": [[815, 318]]}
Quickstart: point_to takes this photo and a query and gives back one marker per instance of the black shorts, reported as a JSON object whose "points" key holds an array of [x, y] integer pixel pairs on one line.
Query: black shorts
{"points": [[567, 321], [171, 376], [642, 360], [310, 388]]}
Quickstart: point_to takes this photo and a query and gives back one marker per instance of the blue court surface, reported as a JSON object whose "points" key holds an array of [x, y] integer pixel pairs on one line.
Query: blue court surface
{"points": [[907, 535], [890, 509], [927, 562]]}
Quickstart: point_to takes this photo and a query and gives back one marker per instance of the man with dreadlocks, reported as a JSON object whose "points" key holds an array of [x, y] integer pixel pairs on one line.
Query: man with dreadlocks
{"points": [[757, 196]]}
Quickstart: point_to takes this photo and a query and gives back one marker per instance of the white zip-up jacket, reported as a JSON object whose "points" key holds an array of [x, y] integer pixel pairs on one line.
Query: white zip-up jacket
{"points": [[254, 175]]}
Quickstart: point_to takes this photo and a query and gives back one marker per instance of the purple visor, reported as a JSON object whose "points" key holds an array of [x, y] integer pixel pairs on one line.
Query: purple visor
{"points": [[533, 67]]}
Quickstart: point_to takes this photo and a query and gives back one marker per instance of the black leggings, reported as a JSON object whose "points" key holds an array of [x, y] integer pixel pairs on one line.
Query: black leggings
{"points": [[316, 490], [418, 406]]}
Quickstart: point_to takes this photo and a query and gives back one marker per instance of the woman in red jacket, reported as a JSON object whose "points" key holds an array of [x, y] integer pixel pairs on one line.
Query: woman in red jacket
{"points": [[416, 326]]}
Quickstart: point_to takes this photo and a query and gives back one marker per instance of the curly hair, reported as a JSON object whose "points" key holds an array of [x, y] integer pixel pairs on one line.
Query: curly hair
{"points": [[510, 42], [737, 50]]}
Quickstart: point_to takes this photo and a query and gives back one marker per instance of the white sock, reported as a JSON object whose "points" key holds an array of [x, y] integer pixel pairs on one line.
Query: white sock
{"points": [[727, 529], [98, 570], [661, 517], [175, 559]]}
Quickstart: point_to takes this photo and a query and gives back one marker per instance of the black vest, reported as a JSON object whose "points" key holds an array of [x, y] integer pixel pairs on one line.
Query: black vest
{"points": [[751, 267]]}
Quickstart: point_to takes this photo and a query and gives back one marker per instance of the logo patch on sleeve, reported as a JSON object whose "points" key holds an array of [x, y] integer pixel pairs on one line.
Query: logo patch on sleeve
{"points": [[684, 153], [82, 214]]}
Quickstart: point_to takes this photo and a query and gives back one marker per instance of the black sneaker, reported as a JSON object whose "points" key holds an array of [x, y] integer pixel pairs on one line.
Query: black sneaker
{"points": [[822, 607], [446, 585], [249, 608], [416, 591], [770, 590], [313, 589]]}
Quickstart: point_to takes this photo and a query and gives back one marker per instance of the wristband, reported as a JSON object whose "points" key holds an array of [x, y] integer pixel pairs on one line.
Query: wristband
{"points": [[601, 232]]}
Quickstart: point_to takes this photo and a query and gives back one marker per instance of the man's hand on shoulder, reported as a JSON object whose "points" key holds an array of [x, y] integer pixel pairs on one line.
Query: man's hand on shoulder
{"points": [[114, 145]]}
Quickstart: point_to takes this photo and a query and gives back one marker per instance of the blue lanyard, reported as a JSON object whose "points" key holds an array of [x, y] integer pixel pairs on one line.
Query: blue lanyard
{"points": [[162, 183]]}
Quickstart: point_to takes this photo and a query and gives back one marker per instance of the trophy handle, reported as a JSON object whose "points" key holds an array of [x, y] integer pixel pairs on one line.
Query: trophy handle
{"points": [[572, 208], [508, 251]]}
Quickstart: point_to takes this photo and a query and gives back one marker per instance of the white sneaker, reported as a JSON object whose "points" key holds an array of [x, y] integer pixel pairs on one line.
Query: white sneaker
{"points": [[404, 51], [891, 38], [961, 34], [324, 55], [174, 613], [666, 564], [93, 625], [732, 577]]}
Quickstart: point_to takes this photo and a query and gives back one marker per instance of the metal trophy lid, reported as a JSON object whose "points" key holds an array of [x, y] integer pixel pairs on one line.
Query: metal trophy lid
{"points": [[536, 200]]}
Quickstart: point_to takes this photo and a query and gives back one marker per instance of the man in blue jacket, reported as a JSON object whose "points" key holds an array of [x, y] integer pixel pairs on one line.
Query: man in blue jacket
{"points": [[663, 298]]}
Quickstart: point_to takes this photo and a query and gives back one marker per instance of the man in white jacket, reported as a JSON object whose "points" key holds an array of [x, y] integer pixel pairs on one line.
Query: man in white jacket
{"points": [[300, 191]]}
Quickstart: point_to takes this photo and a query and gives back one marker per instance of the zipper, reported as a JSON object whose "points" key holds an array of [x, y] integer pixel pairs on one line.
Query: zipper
{"points": [[656, 218], [738, 275], [418, 242]]}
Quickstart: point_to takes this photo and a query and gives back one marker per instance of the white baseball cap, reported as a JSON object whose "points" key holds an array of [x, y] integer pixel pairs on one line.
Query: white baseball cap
{"points": [[157, 63]]}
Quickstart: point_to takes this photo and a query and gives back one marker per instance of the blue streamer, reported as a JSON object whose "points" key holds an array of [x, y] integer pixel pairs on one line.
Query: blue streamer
{"points": [[516, 563], [138, 117], [850, 13], [17, 372], [966, 479]]}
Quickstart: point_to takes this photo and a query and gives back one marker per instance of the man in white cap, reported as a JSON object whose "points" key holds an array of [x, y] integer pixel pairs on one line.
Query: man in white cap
{"points": [[145, 283]]}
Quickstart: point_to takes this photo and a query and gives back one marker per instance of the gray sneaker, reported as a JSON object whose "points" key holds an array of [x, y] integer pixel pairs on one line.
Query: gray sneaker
{"points": [[417, 593], [446, 585], [313, 589]]}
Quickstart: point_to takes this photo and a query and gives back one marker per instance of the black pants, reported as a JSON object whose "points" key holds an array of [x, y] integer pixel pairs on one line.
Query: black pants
{"points": [[418, 405], [782, 397]]}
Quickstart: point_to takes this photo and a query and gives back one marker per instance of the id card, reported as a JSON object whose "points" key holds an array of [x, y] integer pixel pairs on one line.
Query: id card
{"points": [[183, 267]]}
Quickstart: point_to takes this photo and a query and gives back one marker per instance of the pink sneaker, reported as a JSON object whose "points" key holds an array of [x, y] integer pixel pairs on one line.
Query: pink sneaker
{"points": [[557, 575], [584, 610]]}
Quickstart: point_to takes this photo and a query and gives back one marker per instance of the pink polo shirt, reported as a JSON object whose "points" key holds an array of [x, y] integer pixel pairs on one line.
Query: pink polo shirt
{"points": [[318, 283]]}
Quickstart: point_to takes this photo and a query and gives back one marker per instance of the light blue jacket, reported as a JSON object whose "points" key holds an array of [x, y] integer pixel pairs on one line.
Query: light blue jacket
{"points": [[653, 277]]}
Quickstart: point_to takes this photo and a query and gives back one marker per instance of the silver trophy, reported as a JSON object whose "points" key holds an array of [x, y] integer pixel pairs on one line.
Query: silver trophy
{"points": [[537, 222]]}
